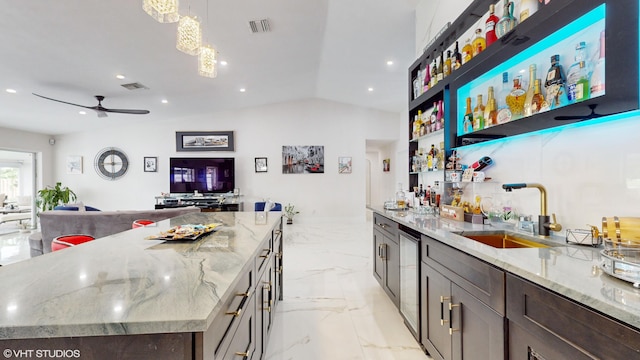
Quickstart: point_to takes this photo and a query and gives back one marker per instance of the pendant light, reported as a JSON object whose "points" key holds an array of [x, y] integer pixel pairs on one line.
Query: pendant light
{"points": [[164, 11], [189, 38], [207, 62]]}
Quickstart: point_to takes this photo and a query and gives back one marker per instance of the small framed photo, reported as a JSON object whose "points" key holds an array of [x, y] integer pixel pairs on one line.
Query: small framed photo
{"points": [[74, 164], [344, 165], [261, 164], [150, 164]]}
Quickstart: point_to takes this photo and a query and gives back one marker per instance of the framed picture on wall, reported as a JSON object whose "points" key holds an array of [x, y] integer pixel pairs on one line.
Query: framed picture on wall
{"points": [[204, 141], [74, 164], [303, 159], [261, 164], [386, 165], [150, 164], [344, 165]]}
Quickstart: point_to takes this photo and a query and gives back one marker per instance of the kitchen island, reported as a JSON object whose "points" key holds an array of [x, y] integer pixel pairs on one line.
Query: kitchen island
{"points": [[554, 301], [127, 297]]}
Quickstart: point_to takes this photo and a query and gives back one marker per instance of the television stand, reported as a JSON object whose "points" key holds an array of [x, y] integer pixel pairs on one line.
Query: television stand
{"points": [[205, 203]]}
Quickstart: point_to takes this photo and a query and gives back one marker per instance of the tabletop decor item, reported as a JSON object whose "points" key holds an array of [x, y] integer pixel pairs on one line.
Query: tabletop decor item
{"points": [[290, 212]]}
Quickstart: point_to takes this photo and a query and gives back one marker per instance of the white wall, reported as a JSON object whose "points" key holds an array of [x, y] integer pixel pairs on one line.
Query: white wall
{"points": [[259, 132], [432, 16]]}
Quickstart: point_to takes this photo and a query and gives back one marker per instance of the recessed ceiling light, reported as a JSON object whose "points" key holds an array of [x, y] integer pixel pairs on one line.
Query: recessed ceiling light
{"points": [[370, 89], [11, 91], [390, 62], [223, 63], [120, 76], [82, 112], [164, 101], [243, 90]]}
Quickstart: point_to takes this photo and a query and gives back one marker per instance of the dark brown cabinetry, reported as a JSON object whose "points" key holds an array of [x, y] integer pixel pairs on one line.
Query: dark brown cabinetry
{"points": [[544, 325], [463, 305], [386, 255], [242, 329]]}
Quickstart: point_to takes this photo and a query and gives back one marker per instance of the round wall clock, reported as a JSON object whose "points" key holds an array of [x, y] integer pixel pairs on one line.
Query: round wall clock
{"points": [[111, 163]]}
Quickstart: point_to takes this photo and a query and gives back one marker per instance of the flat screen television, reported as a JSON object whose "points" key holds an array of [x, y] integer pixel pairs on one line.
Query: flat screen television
{"points": [[205, 175]]}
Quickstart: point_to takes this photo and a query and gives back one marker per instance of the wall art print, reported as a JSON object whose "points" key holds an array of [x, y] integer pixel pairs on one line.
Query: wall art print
{"points": [[344, 165], [386, 165], [204, 141], [303, 159]]}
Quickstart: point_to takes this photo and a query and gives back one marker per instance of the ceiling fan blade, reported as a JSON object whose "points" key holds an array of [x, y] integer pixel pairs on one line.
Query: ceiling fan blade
{"points": [[64, 102], [127, 111]]}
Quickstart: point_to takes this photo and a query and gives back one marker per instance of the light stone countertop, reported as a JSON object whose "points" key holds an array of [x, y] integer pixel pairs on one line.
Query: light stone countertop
{"points": [[570, 270], [124, 284]]}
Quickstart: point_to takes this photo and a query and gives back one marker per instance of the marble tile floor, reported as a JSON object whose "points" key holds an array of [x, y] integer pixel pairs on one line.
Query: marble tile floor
{"points": [[333, 308]]}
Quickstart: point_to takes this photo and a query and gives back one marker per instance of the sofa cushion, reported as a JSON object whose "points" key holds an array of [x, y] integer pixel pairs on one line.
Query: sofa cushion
{"points": [[98, 223]]}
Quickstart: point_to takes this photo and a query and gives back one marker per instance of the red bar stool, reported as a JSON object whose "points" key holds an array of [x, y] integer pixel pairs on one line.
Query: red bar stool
{"points": [[141, 223], [65, 241]]}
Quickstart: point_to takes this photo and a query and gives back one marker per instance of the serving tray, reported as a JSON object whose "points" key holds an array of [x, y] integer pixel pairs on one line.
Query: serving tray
{"points": [[188, 232]]}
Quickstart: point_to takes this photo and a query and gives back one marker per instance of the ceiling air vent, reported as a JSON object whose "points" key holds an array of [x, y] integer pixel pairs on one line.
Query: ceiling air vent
{"points": [[259, 26], [134, 86]]}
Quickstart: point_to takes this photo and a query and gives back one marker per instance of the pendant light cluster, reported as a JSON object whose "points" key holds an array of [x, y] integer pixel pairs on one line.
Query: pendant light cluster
{"points": [[189, 34]]}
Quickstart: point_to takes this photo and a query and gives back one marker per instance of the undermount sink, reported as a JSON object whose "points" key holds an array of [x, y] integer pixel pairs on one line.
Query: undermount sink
{"points": [[505, 239]]}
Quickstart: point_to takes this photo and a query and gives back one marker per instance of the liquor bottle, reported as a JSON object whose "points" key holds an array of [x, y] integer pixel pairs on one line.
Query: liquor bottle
{"points": [[527, 8], [508, 21], [577, 76], [478, 43], [530, 91], [457, 58], [427, 79], [467, 51], [440, 118], [418, 123], [440, 70], [504, 92], [433, 154], [478, 115], [537, 101], [491, 110], [433, 118], [515, 99], [467, 122], [555, 84], [598, 75], [490, 26], [401, 201], [434, 71], [446, 69]]}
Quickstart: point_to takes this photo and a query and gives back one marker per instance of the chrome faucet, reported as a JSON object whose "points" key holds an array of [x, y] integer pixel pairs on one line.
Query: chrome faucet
{"points": [[544, 221]]}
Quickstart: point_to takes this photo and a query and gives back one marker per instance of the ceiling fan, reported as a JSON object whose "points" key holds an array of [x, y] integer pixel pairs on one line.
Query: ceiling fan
{"points": [[101, 110]]}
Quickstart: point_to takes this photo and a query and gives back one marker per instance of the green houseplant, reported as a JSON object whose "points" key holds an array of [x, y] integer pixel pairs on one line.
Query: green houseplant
{"points": [[50, 197], [289, 212]]}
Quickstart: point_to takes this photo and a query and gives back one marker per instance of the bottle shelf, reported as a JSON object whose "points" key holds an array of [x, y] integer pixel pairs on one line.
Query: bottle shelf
{"points": [[428, 136], [426, 172]]}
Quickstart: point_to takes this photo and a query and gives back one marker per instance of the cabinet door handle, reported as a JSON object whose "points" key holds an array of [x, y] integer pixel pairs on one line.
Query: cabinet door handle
{"points": [[383, 248], [245, 294], [451, 329], [442, 300], [384, 226], [234, 313], [268, 252], [278, 232]]}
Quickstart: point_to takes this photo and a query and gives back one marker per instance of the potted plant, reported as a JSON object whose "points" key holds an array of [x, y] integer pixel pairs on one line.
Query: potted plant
{"points": [[50, 197], [290, 212]]}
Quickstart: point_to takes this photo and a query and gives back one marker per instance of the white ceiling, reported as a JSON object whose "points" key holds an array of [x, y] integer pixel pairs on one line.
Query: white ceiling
{"points": [[72, 50]]}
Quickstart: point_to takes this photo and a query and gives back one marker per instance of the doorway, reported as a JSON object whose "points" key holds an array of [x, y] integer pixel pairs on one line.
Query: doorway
{"points": [[18, 183]]}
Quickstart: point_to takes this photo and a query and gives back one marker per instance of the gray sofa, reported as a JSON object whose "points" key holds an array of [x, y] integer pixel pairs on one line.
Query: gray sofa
{"points": [[95, 223]]}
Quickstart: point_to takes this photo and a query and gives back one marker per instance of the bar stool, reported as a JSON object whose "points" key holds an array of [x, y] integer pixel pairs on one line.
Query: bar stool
{"points": [[65, 241], [141, 223]]}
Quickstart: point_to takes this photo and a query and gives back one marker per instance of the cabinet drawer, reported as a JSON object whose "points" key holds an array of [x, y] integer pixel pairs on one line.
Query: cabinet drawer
{"points": [[226, 322], [265, 253], [479, 278], [242, 344], [549, 316], [387, 226]]}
